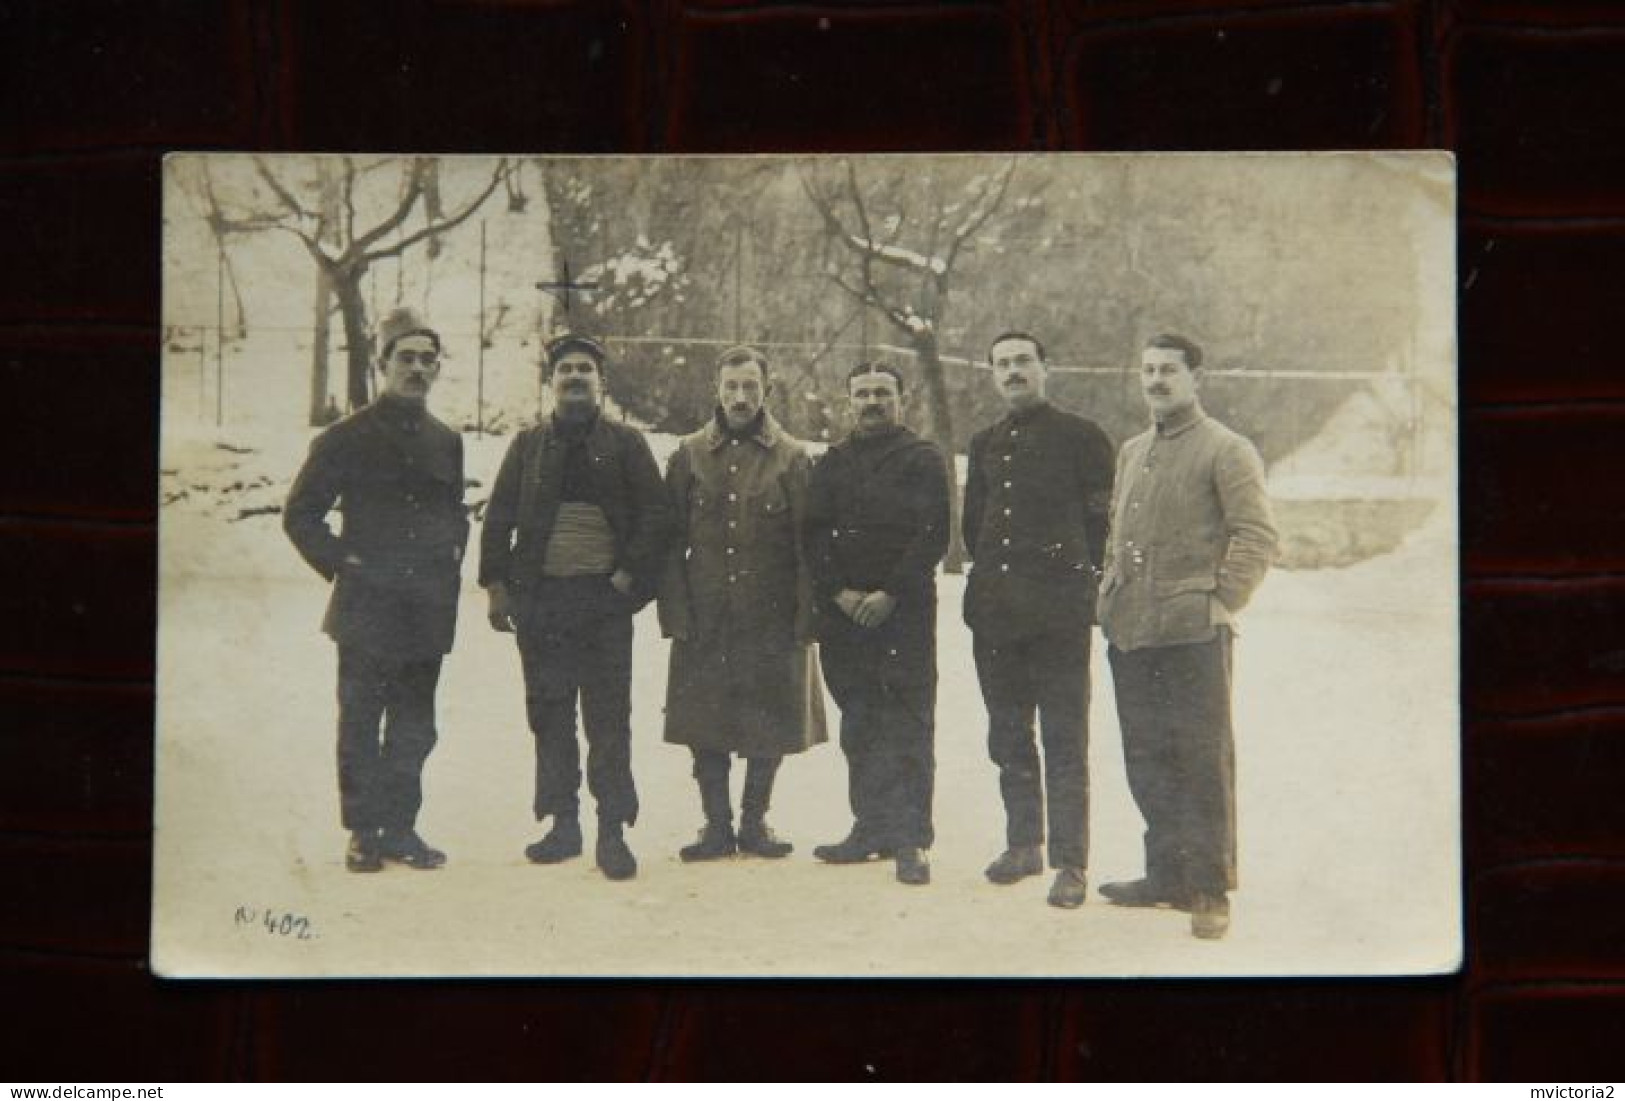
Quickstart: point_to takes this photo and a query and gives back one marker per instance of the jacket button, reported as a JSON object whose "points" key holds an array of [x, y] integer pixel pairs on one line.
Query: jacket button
{"points": [[733, 496], [1005, 568], [1007, 542], [1006, 485]]}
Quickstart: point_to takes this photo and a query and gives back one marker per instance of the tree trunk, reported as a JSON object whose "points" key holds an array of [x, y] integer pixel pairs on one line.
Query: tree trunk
{"points": [[319, 350], [940, 428], [353, 308]]}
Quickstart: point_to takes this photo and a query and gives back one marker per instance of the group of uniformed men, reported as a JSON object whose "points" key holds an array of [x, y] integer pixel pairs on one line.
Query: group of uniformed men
{"points": [[754, 553]]}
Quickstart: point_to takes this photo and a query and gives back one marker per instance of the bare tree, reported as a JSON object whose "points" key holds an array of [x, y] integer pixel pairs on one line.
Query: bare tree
{"points": [[325, 219], [902, 265]]}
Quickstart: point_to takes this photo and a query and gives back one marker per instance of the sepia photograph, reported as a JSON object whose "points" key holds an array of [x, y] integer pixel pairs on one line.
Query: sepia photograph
{"points": [[1036, 565]]}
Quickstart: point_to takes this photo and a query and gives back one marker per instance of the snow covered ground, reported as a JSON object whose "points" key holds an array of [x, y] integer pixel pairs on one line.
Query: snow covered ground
{"points": [[1346, 717]]}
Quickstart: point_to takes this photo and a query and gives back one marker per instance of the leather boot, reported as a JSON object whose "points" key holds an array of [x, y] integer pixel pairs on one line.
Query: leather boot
{"points": [[362, 855], [406, 847], [854, 848], [1210, 915], [756, 838], [1070, 889], [615, 860], [562, 843], [716, 841], [913, 867], [1015, 864]]}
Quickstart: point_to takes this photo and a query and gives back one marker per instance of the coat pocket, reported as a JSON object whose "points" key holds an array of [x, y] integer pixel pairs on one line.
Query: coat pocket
{"points": [[1185, 608]]}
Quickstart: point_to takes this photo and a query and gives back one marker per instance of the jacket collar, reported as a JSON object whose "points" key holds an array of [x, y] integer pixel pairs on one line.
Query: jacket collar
{"points": [[398, 413], [1177, 424], [883, 445], [766, 435], [555, 434], [1029, 414]]}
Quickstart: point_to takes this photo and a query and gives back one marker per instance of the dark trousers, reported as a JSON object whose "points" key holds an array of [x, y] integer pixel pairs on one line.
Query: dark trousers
{"points": [[1173, 703], [887, 698], [711, 768], [1046, 675], [386, 730], [575, 640]]}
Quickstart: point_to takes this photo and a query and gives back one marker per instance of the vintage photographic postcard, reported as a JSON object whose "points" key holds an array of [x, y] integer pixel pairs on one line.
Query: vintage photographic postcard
{"points": [[1061, 548]]}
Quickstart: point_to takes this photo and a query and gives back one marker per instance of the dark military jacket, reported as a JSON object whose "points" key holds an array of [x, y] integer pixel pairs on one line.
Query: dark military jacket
{"points": [[395, 475], [525, 503], [1037, 498], [878, 519]]}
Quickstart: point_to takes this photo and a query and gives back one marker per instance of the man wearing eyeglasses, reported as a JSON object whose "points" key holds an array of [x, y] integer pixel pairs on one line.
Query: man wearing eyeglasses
{"points": [[395, 473]]}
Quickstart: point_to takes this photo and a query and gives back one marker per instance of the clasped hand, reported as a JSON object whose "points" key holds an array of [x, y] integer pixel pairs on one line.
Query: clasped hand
{"points": [[868, 610]]}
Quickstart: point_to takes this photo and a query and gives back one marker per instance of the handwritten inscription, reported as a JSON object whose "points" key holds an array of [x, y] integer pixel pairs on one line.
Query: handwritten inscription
{"points": [[276, 923]]}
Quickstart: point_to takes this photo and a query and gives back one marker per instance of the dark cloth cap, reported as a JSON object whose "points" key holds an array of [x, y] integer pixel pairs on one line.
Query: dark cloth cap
{"points": [[563, 345]]}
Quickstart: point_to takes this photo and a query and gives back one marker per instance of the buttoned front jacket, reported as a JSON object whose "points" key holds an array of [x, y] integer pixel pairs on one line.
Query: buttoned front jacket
{"points": [[395, 475], [878, 520], [1192, 534], [525, 500], [737, 595], [1037, 496]]}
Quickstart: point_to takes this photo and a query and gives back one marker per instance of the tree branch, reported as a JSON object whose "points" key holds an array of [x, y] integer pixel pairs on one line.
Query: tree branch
{"points": [[409, 199], [349, 202], [282, 193], [500, 174], [978, 218]]}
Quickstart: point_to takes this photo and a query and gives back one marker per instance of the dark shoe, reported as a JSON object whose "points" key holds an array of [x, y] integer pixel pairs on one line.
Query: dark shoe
{"points": [[562, 843], [615, 860], [716, 841], [1016, 864], [1144, 893], [853, 850], [1070, 890], [362, 855], [756, 838], [913, 868], [1210, 916], [406, 847]]}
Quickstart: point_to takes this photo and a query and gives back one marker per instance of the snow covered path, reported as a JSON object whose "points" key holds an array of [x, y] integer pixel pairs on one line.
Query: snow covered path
{"points": [[1347, 755]]}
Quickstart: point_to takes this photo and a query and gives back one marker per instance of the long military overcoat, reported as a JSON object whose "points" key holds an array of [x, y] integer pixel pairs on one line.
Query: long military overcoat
{"points": [[737, 596]]}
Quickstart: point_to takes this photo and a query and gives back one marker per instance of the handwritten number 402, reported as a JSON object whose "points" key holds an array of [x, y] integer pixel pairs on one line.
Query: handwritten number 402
{"points": [[276, 924]]}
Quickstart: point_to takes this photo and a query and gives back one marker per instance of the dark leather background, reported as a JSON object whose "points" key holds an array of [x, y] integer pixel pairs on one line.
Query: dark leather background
{"points": [[1531, 96]]}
